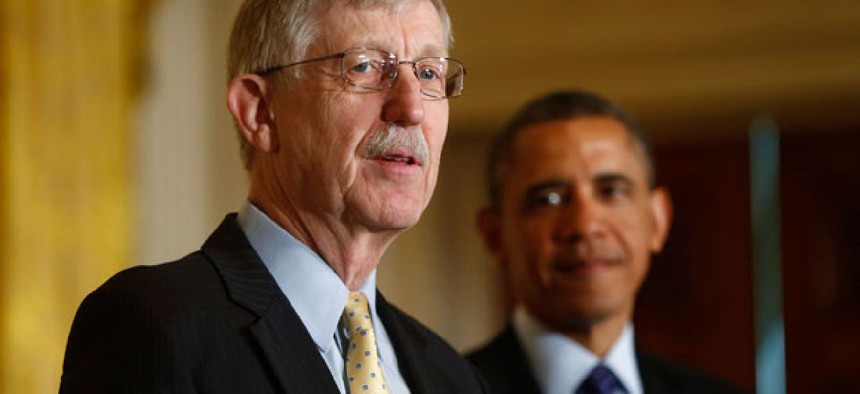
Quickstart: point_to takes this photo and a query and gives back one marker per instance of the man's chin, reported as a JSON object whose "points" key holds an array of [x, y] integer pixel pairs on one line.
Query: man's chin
{"points": [[392, 218], [583, 316]]}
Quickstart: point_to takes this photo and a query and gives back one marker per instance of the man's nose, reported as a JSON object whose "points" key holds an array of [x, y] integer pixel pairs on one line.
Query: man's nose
{"points": [[580, 218], [404, 104]]}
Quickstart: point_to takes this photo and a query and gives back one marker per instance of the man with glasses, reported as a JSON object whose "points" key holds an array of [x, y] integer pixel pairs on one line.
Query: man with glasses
{"points": [[341, 108]]}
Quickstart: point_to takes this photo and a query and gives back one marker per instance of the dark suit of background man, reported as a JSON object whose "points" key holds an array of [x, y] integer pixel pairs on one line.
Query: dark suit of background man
{"points": [[341, 109], [573, 218]]}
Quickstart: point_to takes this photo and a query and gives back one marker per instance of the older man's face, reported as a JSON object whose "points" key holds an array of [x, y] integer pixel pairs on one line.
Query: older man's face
{"points": [[324, 162]]}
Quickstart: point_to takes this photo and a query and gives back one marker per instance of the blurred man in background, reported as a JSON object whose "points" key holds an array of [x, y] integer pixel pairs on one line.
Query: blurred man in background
{"points": [[342, 112], [573, 219]]}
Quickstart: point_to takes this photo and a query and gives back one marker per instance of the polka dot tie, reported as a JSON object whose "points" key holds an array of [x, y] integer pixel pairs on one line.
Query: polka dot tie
{"points": [[363, 370]]}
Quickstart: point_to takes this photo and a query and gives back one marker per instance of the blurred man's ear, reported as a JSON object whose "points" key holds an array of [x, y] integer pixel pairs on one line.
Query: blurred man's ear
{"points": [[661, 214], [247, 100], [489, 223]]}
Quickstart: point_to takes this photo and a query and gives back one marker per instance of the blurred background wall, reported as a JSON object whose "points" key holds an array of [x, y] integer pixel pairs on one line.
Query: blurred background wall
{"points": [[68, 87], [117, 149]]}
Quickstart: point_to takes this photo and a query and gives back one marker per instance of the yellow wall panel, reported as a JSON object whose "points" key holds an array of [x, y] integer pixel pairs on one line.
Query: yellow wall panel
{"points": [[66, 90]]}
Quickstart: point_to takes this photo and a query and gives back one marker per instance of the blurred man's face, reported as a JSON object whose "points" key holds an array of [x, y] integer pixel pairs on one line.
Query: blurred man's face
{"points": [[577, 221], [325, 162]]}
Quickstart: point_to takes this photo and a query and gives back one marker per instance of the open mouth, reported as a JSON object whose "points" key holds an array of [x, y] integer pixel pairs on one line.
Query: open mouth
{"points": [[400, 158], [396, 146]]}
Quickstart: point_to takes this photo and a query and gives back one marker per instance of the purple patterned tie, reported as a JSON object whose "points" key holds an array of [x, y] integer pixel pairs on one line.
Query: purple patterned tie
{"points": [[601, 380]]}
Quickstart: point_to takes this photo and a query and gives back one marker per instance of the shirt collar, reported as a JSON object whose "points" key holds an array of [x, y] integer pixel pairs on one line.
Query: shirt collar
{"points": [[314, 290], [561, 364], [621, 359]]}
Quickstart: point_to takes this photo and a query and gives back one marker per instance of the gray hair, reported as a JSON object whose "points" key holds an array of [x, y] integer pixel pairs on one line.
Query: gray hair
{"points": [[563, 105], [267, 33]]}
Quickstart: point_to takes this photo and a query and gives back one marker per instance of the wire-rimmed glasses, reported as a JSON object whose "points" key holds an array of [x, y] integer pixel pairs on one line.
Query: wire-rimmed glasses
{"points": [[374, 69]]}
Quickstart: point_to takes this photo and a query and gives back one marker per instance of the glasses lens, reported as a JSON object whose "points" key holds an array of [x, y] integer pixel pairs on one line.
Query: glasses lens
{"points": [[367, 68], [440, 77], [454, 79]]}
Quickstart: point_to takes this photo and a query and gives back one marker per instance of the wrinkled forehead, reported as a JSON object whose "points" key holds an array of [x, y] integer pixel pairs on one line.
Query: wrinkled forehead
{"points": [[377, 23]]}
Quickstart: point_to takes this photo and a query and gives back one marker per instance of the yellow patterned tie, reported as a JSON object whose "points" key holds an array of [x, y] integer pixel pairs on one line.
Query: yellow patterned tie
{"points": [[363, 370]]}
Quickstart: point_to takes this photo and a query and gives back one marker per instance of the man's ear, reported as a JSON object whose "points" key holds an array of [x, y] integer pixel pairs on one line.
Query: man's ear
{"points": [[661, 215], [248, 101], [489, 223]]}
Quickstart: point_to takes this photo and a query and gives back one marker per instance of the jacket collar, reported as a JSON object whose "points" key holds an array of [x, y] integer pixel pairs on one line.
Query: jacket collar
{"points": [[410, 346], [282, 337]]}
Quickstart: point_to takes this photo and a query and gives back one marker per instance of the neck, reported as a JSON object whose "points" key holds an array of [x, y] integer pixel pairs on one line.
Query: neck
{"points": [[597, 334], [599, 337], [352, 252]]}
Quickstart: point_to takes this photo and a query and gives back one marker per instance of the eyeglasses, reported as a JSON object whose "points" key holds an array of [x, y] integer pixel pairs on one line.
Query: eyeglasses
{"points": [[375, 69]]}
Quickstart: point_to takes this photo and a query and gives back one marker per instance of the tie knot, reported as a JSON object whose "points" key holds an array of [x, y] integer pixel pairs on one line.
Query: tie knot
{"points": [[357, 314], [601, 380]]}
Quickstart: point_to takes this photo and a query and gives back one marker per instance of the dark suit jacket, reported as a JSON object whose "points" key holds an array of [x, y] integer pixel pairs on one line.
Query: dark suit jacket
{"points": [[506, 369], [215, 321]]}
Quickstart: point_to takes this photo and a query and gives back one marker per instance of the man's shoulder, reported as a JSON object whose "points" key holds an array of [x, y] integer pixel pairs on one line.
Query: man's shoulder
{"points": [[504, 343], [413, 330], [194, 280], [660, 375], [162, 328], [166, 287], [419, 348], [168, 276], [166, 273], [503, 364]]}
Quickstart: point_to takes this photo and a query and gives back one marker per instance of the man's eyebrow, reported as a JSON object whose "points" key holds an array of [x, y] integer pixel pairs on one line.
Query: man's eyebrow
{"points": [[547, 184], [428, 50], [431, 50], [613, 177]]}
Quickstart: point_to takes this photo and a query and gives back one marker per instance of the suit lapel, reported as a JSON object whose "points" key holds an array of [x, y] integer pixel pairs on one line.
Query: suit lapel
{"points": [[510, 364], [646, 374], [286, 344], [291, 351], [409, 348], [649, 373]]}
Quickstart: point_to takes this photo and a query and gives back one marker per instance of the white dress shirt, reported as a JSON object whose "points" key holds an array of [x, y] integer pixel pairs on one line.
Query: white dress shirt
{"points": [[316, 293], [560, 364]]}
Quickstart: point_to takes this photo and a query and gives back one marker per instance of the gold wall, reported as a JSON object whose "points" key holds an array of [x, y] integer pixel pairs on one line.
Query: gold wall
{"points": [[117, 148], [66, 95]]}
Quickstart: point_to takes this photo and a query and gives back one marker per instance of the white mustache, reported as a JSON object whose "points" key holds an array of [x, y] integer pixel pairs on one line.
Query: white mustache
{"points": [[392, 137]]}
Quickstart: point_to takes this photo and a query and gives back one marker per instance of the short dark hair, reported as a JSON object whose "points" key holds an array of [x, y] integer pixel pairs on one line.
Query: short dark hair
{"points": [[562, 105]]}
